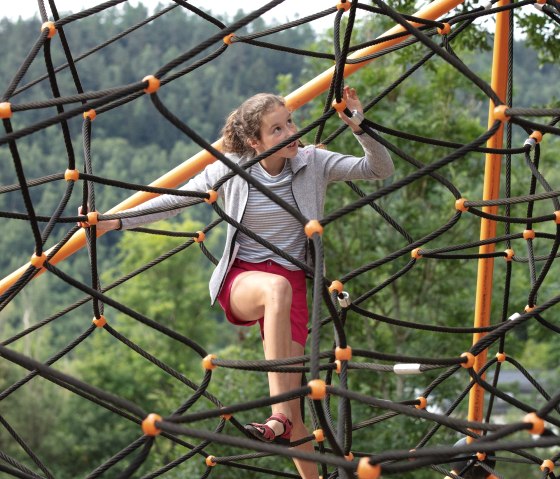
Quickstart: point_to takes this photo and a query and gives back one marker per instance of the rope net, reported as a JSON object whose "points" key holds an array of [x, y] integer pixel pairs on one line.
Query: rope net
{"points": [[196, 425]]}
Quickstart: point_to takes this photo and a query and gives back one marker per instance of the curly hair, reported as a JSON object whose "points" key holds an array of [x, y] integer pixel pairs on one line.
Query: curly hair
{"points": [[244, 123]]}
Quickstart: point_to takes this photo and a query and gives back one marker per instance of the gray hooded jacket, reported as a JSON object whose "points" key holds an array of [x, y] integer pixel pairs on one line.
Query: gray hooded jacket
{"points": [[313, 169]]}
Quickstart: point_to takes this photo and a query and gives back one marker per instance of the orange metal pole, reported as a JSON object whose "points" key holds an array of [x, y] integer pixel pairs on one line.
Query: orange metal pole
{"points": [[491, 191], [197, 163]]}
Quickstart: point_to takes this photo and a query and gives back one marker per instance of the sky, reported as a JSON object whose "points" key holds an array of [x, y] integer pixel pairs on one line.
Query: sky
{"points": [[288, 10]]}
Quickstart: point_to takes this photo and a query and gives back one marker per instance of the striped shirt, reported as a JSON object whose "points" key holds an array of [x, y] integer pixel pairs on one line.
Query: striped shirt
{"points": [[270, 221]]}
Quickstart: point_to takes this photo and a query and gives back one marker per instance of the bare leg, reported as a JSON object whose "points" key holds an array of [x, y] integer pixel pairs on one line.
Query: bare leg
{"points": [[254, 295], [306, 469]]}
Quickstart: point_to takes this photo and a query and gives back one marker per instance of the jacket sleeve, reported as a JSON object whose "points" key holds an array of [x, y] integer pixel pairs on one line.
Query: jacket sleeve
{"points": [[376, 164], [175, 204]]}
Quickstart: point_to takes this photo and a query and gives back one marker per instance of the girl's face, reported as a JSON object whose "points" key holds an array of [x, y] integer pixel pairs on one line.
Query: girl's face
{"points": [[276, 126]]}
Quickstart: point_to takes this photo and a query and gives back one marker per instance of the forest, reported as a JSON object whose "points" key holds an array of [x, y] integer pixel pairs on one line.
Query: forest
{"points": [[134, 144]]}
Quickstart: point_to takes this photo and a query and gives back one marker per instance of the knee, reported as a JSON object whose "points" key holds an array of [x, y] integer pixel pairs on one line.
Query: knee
{"points": [[278, 291]]}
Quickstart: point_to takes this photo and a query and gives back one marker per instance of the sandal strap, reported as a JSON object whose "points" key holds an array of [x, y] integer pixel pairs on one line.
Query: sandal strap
{"points": [[283, 419]]}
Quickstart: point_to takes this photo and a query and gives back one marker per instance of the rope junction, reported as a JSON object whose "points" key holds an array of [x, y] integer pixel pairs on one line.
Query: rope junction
{"points": [[328, 371]]}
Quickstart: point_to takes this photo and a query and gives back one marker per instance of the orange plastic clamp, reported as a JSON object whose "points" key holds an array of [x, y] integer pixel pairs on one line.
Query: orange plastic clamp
{"points": [[99, 322], [416, 254], [149, 425], [423, 402], [201, 237], [52, 28], [529, 234], [557, 217], [481, 456], [343, 6], [71, 175], [213, 197], [91, 114], [500, 113], [445, 30], [536, 421], [338, 369], [349, 456], [501, 357], [319, 435], [210, 461], [528, 308], [5, 110], [366, 470], [228, 39], [312, 227], [318, 389], [227, 417], [337, 286], [537, 135], [343, 354], [460, 205], [93, 218], [207, 362], [339, 106], [38, 261], [547, 464], [153, 84], [509, 254], [470, 360]]}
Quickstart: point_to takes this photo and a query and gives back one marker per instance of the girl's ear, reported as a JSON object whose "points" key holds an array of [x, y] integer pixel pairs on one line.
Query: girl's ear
{"points": [[253, 143]]}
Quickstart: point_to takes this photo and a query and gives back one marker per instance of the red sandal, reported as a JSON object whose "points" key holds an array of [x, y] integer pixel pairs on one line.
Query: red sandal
{"points": [[265, 433]]}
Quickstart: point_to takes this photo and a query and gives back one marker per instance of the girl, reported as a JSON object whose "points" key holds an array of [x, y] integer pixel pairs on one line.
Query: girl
{"points": [[251, 283]]}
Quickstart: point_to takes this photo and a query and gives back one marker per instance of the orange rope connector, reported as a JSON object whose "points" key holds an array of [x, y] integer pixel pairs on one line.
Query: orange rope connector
{"points": [[207, 362], [343, 354], [416, 253], [226, 416], [38, 261], [200, 236], [537, 135], [337, 286], [528, 308], [445, 30], [529, 234], [349, 456], [339, 106], [557, 217], [319, 435], [423, 402], [547, 464], [500, 113], [366, 470], [211, 461], [149, 425], [481, 456], [318, 389], [312, 227], [5, 110], [71, 175], [228, 39], [92, 218], [99, 322], [470, 360], [213, 197], [460, 205], [536, 421], [509, 254], [343, 6], [52, 28], [91, 114], [338, 364], [501, 357], [153, 84]]}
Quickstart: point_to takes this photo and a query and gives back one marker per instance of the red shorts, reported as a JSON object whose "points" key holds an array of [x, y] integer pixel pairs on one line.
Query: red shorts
{"points": [[298, 314]]}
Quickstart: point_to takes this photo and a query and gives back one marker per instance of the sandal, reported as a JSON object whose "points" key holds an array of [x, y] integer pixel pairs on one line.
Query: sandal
{"points": [[265, 433]]}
